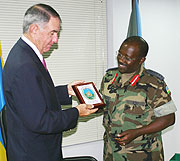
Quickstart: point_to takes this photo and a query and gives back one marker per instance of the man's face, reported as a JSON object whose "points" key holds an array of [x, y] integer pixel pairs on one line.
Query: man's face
{"points": [[128, 58], [48, 35]]}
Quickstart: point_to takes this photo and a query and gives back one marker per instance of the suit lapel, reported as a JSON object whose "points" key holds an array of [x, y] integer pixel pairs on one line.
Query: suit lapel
{"points": [[37, 61]]}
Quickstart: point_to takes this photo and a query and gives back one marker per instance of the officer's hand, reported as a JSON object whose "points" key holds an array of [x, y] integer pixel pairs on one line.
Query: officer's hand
{"points": [[85, 110], [127, 136], [70, 89]]}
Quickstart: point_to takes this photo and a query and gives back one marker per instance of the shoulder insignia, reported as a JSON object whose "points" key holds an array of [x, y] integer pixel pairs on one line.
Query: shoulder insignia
{"points": [[111, 69], [156, 74], [114, 78], [135, 79]]}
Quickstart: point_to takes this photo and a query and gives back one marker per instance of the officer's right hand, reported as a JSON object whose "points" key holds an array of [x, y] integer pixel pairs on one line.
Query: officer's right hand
{"points": [[85, 110]]}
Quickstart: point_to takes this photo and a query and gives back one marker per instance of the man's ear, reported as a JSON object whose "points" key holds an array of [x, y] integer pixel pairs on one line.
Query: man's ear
{"points": [[33, 28], [142, 60]]}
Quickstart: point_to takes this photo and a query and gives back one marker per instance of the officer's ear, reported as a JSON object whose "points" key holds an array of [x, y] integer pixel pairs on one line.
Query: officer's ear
{"points": [[142, 60]]}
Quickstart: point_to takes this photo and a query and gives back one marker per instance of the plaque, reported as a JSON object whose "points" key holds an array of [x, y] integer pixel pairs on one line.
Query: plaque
{"points": [[88, 94]]}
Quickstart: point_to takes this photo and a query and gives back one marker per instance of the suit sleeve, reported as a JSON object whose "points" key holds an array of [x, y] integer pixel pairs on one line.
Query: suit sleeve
{"points": [[63, 96], [37, 105]]}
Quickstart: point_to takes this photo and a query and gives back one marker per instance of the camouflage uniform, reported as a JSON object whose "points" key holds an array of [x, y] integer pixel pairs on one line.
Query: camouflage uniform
{"points": [[131, 106]]}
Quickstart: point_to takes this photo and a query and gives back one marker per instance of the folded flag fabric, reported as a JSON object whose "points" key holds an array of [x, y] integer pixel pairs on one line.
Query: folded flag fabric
{"points": [[134, 28], [2, 103]]}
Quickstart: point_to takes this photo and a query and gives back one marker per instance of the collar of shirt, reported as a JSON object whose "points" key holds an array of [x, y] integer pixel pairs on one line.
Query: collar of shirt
{"points": [[33, 47], [125, 77]]}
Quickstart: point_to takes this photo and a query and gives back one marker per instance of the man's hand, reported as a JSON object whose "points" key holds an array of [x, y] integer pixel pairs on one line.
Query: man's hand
{"points": [[85, 110], [70, 89], [159, 124], [126, 136]]}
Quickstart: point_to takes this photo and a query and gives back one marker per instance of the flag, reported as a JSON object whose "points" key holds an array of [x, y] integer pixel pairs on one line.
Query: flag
{"points": [[134, 28], [2, 103]]}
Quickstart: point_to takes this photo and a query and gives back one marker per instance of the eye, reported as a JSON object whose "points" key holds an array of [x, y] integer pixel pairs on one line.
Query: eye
{"points": [[120, 56], [52, 33], [128, 58]]}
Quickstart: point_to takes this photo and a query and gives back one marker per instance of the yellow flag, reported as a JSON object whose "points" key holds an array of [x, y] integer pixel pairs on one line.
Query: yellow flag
{"points": [[1, 56], [2, 153], [2, 103]]}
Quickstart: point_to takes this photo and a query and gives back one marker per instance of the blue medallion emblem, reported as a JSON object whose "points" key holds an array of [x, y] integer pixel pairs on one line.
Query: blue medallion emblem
{"points": [[88, 93]]}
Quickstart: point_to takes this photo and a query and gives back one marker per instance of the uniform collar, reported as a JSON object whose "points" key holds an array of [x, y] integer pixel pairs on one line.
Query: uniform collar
{"points": [[128, 78], [115, 81], [135, 78]]}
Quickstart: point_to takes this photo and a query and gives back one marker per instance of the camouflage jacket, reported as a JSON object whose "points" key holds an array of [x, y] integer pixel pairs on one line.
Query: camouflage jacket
{"points": [[131, 105]]}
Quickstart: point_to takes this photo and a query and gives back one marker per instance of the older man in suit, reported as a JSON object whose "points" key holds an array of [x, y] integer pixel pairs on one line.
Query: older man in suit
{"points": [[35, 120]]}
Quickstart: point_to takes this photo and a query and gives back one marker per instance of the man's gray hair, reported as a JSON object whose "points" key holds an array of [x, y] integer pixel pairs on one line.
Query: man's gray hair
{"points": [[39, 14]]}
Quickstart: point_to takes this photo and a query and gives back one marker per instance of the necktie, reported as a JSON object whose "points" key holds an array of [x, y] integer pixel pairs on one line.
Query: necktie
{"points": [[44, 63]]}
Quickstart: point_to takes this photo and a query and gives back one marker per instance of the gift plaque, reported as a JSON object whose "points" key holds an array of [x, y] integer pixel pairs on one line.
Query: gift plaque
{"points": [[88, 94]]}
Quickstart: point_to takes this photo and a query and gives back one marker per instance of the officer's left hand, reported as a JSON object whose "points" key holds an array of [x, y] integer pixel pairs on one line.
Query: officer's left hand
{"points": [[70, 89], [126, 136]]}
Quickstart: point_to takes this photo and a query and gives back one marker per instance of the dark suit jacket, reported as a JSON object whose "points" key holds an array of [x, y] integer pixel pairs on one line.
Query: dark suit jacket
{"points": [[35, 120]]}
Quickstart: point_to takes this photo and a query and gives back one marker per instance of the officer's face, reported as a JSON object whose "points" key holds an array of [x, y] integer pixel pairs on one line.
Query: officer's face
{"points": [[128, 58]]}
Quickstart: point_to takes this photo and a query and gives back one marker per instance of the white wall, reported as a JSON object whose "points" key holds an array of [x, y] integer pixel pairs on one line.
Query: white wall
{"points": [[160, 22]]}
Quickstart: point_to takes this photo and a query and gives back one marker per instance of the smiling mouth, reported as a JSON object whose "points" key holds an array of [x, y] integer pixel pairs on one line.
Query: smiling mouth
{"points": [[121, 65]]}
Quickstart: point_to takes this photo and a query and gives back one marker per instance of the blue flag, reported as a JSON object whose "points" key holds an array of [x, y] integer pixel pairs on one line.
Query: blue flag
{"points": [[2, 103], [134, 28]]}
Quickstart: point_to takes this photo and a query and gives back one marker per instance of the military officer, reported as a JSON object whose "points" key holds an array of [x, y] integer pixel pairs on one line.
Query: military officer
{"points": [[138, 106]]}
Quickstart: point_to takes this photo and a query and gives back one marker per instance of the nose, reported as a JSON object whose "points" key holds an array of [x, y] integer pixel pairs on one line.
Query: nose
{"points": [[55, 38]]}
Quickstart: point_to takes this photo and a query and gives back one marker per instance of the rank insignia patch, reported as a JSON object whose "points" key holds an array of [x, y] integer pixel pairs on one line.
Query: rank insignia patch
{"points": [[114, 78], [135, 79]]}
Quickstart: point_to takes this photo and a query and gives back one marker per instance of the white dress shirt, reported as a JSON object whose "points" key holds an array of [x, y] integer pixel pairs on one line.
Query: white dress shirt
{"points": [[33, 47]]}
